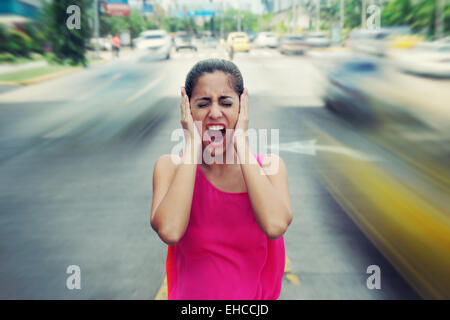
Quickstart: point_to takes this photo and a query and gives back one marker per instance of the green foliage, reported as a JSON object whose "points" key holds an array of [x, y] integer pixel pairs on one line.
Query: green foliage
{"points": [[352, 13], [37, 37], [7, 58], [423, 17], [419, 15], [249, 21], [135, 23], [3, 38], [113, 25], [19, 43], [67, 45], [281, 28], [397, 12]]}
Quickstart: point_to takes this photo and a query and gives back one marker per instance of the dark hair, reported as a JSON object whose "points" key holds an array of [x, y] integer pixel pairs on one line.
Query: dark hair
{"points": [[211, 65]]}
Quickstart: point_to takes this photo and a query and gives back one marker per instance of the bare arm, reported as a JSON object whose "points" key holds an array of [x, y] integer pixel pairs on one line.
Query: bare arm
{"points": [[173, 185], [269, 194]]}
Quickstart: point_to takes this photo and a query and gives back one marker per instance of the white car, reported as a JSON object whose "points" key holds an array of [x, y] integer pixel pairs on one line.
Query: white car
{"points": [[157, 42], [428, 59], [266, 39], [368, 41], [317, 40]]}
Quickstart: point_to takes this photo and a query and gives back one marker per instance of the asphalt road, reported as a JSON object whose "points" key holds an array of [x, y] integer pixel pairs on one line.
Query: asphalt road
{"points": [[77, 156]]}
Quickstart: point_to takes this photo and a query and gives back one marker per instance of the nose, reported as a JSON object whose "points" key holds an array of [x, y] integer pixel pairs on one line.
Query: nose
{"points": [[215, 111]]}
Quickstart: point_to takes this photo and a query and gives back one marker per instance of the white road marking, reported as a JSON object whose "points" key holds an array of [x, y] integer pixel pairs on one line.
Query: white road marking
{"points": [[145, 89], [310, 147], [100, 87]]}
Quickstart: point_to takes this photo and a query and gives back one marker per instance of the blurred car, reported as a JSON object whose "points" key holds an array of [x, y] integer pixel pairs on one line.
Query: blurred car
{"points": [[197, 41], [368, 41], [444, 40], [252, 35], [427, 59], [293, 44], [317, 40], [238, 41], [266, 40], [184, 41], [155, 41], [210, 42], [346, 94]]}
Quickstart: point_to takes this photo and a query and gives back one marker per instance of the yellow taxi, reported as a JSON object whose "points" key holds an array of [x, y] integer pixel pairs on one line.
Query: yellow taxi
{"points": [[239, 41]]}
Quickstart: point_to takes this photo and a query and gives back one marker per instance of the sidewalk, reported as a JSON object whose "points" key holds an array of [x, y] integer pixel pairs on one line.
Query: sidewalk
{"points": [[109, 55], [8, 68]]}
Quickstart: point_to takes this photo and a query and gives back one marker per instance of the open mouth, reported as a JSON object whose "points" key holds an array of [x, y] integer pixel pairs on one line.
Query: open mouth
{"points": [[216, 134]]}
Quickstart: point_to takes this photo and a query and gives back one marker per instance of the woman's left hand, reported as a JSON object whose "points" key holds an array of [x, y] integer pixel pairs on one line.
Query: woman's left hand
{"points": [[240, 131]]}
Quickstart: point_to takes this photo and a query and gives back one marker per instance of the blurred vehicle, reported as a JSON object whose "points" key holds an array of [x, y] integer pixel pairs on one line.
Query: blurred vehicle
{"points": [[396, 41], [197, 41], [345, 93], [427, 59], [444, 40], [210, 42], [370, 93], [293, 44], [379, 42], [252, 35], [238, 41], [368, 41], [400, 37], [266, 40], [399, 196], [317, 40], [157, 42], [184, 41], [103, 44]]}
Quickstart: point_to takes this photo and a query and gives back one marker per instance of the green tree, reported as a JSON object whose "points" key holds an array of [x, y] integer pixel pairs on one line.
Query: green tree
{"points": [[423, 17], [352, 12], [67, 45], [397, 12], [249, 21], [36, 35]]}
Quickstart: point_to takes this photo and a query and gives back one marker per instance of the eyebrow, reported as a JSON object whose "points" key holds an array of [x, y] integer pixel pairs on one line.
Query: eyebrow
{"points": [[206, 98]]}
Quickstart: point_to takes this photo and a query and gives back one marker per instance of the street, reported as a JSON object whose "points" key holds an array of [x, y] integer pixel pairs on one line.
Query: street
{"points": [[77, 156]]}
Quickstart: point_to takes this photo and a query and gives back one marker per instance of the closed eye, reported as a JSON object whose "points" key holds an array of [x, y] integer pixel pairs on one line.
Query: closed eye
{"points": [[206, 104]]}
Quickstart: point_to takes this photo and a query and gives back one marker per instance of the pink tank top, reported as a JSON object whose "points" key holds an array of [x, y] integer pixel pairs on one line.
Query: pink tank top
{"points": [[224, 255]]}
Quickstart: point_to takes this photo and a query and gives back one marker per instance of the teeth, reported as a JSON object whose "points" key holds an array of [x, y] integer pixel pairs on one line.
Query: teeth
{"points": [[216, 128]]}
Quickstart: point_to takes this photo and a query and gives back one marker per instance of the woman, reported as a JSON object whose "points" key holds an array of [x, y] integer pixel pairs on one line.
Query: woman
{"points": [[223, 221]]}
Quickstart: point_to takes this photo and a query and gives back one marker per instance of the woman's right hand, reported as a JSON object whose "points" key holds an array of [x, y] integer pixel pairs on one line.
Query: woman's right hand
{"points": [[191, 132]]}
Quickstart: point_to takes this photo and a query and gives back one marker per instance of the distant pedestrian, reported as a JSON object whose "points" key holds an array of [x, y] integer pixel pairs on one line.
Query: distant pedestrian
{"points": [[116, 44], [223, 221]]}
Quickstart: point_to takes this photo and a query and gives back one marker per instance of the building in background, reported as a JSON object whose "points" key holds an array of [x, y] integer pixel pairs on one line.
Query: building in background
{"points": [[19, 11]]}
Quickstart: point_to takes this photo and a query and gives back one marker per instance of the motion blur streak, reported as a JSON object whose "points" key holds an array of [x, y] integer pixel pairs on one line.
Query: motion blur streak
{"points": [[410, 226]]}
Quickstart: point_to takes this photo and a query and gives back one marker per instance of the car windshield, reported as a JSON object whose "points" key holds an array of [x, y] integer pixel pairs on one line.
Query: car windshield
{"points": [[295, 38], [154, 36]]}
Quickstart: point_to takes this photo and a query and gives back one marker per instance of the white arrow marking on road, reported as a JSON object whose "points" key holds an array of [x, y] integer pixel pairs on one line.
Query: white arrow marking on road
{"points": [[310, 147]]}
